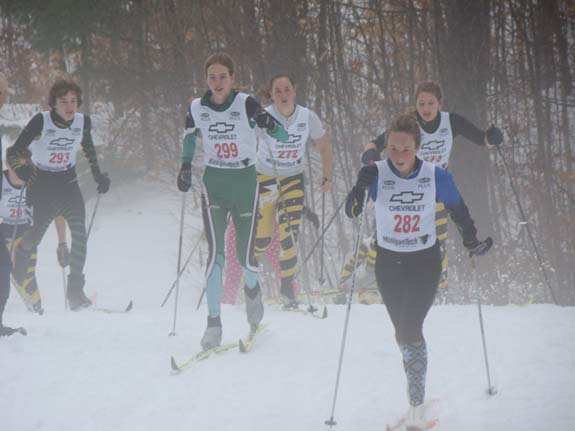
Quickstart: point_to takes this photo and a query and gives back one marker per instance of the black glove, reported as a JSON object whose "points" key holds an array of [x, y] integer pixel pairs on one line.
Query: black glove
{"points": [[185, 177], [368, 156], [312, 217], [265, 121], [478, 248], [367, 176], [494, 135], [24, 172], [354, 202], [63, 254], [103, 182]]}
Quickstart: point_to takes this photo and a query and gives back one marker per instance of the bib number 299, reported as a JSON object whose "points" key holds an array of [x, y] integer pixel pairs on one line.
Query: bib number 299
{"points": [[406, 223], [225, 150]]}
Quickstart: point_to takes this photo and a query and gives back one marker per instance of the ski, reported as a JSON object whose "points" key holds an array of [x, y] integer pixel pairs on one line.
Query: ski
{"points": [[114, 310], [398, 426], [204, 354], [246, 344], [428, 425], [6, 331], [309, 311]]}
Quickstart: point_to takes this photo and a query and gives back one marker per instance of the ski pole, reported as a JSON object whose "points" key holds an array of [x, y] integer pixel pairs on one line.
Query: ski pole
{"points": [[93, 216], [65, 288], [491, 390], [317, 241], [182, 213], [18, 217], [201, 297], [182, 270], [321, 278], [331, 422], [524, 222]]}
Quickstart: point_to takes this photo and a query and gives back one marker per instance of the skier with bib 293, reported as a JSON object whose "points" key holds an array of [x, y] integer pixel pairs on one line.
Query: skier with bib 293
{"points": [[54, 138]]}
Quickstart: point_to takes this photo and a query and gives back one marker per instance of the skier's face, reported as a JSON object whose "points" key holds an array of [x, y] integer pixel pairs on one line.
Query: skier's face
{"points": [[220, 82], [427, 106], [67, 105], [283, 95], [401, 148]]}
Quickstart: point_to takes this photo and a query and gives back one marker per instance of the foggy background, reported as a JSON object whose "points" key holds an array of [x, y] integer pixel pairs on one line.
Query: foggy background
{"points": [[355, 63]]}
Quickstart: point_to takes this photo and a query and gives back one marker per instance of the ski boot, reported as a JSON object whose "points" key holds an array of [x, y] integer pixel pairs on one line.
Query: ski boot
{"points": [[77, 299], [289, 300], [37, 308], [414, 419], [254, 306], [213, 334]]}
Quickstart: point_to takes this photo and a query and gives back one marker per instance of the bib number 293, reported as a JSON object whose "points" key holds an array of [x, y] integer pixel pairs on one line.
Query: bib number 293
{"points": [[406, 223], [58, 158]]}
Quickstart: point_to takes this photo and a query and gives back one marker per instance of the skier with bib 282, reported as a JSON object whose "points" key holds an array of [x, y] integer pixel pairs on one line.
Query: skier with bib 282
{"points": [[438, 132], [405, 190]]}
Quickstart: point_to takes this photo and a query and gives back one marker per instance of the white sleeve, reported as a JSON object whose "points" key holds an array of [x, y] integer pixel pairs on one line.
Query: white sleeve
{"points": [[316, 129]]}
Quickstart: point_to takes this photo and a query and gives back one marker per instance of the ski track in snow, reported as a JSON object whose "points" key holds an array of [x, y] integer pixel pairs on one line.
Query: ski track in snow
{"points": [[96, 371]]}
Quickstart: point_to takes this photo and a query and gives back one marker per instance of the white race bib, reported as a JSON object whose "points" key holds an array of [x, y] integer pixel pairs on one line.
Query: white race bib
{"points": [[57, 148], [436, 147], [228, 139], [405, 209], [285, 157], [12, 211]]}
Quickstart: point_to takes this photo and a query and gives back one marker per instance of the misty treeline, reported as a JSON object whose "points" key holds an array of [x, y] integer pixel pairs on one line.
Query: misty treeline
{"points": [[356, 63]]}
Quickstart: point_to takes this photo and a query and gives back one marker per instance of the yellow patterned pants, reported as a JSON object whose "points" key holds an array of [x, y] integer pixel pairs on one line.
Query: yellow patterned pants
{"points": [[286, 207], [24, 273]]}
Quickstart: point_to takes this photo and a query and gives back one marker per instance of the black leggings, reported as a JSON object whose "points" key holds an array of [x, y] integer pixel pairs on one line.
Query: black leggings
{"points": [[5, 268], [55, 195], [408, 283]]}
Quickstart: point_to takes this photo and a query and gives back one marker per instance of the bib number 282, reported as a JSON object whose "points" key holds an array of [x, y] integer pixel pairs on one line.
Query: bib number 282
{"points": [[406, 223]]}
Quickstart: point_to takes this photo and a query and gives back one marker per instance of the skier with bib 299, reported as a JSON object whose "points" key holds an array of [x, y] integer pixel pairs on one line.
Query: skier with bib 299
{"points": [[54, 138], [226, 120], [405, 190]]}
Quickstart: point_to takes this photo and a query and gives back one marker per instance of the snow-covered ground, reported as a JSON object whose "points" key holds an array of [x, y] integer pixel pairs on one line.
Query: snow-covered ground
{"points": [[94, 371]]}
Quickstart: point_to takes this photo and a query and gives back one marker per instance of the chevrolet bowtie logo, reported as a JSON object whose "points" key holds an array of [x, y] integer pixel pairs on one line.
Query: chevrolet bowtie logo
{"points": [[406, 197], [432, 145], [16, 200], [62, 142], [293, 139], [221, 127]]}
